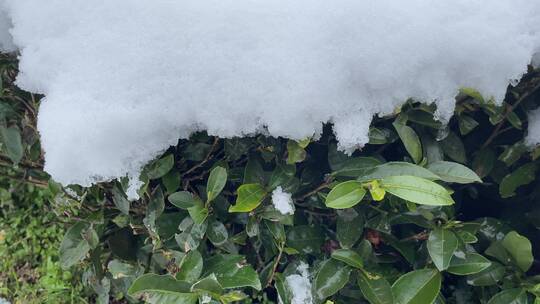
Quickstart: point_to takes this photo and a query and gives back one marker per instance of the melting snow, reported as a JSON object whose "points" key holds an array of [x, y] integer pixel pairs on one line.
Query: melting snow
{"points": [[282, 201]]}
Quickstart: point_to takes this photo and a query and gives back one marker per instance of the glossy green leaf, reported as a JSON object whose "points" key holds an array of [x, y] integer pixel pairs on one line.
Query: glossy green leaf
{"points": [[331, 277], [454, 172], [250, 196], [487, 277], [217, 233], [162, 289], [483, 162], [348, 257], [191, 267], [160, 167], [183, 199], [295, 152], [349, 227], [453, 147], [417, 190], [356, 167], [12, 143], [209, 284], [520, 249], [523, 175], [441, 245], [232, 271], [120, 200], [345, 195], [510, 296], [375, 288], [468, 263], [305, 239], [411, 141], [419, 286], [466, 124], [198, 213], [216, 182], [398, 169], [74, 246]]}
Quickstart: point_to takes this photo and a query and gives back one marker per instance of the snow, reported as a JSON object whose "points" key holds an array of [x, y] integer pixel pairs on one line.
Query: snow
{"points": [[300, 285], [533, 134], [126, 79], [536, 60], [6, 41], [282, 201]]}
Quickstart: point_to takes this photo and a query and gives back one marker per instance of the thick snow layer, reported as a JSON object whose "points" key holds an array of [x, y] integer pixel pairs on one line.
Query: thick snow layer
{"points": [[282, 201], [533, 133], [300, 285], [125, 79], [6, 41]]}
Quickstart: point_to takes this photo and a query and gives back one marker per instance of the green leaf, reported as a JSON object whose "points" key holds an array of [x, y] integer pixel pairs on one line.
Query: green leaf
{"points": [[355, 167], [349, 227], [453, 147], [375, 288], [466, 124], [232, 271], [483, 162], [345, 195], [171, 181], [411, 141], [523, 175], [468, 263], [160, 167], [120, 200], [250, 196], [12, 143], [209, 284], [380, 136], [348, 257], [162, 289], [74, 246], [198, 213], [419, 286], [331, 277], [520, 249], [216, 182], [398, 169], [305, 239], [487, 277], [295, 152], [510, 296], [191, 267], [513, 153], [282, 175], [454, 172], [183, 199], [217, 233], [473, 93], [417, 190], [441, 245]]}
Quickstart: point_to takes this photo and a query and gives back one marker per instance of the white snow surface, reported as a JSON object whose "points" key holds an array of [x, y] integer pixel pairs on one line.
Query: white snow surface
{"points": [[282, 201], [6, 41], [533, 134], [300, 285], [126, 79]]}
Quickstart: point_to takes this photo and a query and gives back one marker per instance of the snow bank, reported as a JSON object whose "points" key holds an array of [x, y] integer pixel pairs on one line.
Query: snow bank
{"points": [[125, 79], [6, 41], [282, 201]]}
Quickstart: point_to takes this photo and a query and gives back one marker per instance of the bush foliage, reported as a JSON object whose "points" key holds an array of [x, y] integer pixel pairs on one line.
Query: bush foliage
{"points": [[425, 213]]}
